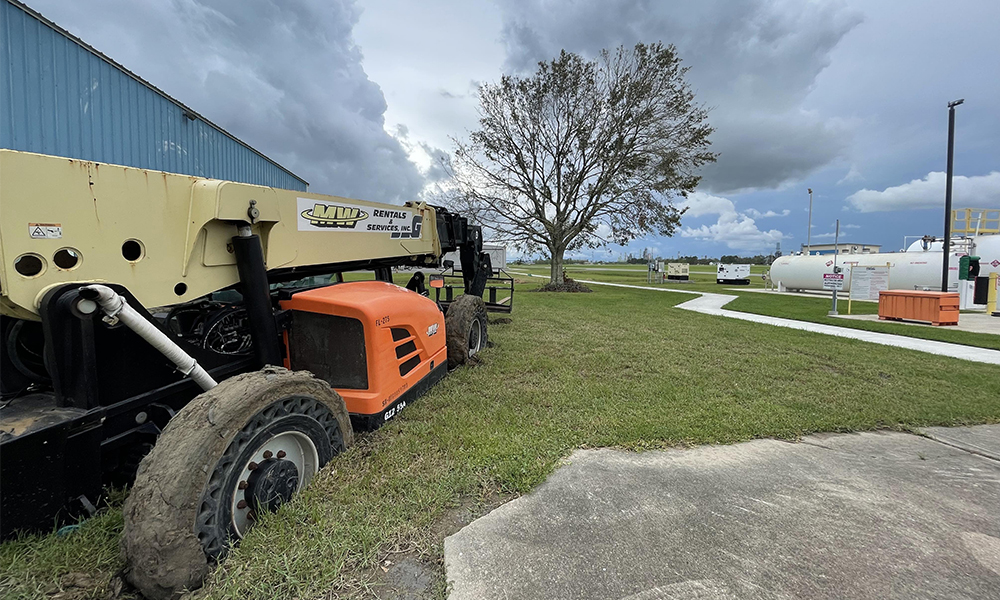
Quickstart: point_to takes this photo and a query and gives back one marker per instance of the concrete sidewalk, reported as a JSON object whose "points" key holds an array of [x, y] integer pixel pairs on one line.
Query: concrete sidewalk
{"points": [[856, 516]]}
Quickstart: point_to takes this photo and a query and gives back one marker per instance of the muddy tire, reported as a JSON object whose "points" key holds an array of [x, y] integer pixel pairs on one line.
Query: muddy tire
{"points": [[243, 446], [465, 325]]}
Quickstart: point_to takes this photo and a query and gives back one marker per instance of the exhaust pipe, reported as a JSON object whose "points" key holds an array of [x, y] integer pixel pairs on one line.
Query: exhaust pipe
{"points": [[115, 307]]}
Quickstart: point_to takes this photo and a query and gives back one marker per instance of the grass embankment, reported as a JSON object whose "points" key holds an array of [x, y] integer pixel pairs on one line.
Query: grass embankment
{"points": [[778, 305], [617, 367]]}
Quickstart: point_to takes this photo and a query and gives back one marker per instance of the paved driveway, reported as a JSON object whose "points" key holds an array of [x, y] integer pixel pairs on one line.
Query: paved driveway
{"points": [[874, 515]]}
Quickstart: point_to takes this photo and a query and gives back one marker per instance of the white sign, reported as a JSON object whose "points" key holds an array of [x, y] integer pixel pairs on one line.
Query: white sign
{"points": [[833, 281], [867, 282], [44, 231], [317, 215]]}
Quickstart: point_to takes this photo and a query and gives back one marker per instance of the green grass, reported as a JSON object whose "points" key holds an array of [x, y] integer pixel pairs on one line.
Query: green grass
{"points": [[617, 367], [41, 566], [787, 306], [814, 309]]}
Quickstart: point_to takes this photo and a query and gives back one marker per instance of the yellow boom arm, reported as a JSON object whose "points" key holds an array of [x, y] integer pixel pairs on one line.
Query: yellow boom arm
{"points": [[166, 237]]}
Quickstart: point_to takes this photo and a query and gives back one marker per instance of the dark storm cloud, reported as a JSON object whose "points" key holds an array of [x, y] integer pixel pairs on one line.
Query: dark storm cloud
{"points": [[753, 62], [285, 77]]}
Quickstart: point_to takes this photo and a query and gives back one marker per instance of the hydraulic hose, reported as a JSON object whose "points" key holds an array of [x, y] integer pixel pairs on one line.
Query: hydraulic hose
{"points": [[115, 306]]}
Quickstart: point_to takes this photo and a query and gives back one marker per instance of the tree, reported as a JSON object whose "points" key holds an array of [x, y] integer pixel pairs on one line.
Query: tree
{"points": [[583, 153]]}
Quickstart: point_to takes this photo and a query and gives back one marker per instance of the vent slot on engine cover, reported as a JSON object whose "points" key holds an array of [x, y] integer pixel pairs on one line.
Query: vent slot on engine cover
{"points": [[409, 365], [405, 349]]}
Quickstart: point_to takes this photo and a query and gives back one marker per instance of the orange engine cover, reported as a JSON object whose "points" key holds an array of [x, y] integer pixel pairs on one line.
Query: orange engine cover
{"points": [[379, 345]]}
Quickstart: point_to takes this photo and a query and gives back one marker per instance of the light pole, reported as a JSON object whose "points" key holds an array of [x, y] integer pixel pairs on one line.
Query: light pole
{"points": [[809, 231], [946, 247], [836, 269]]}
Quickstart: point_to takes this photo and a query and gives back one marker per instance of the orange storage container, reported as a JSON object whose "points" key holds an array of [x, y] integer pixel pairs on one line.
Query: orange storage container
{"points": [[936, 308]]}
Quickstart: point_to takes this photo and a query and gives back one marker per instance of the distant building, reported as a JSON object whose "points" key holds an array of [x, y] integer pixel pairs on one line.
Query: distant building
{"points": [[843, 248], [60, 96]]}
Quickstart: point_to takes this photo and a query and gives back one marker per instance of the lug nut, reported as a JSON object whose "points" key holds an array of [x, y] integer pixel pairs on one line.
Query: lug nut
{"points": [[281, 454], [252, 466], [242, 485], [241, 504], [267, 454]]}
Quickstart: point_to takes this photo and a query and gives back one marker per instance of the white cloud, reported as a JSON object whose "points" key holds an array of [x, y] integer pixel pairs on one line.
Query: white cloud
{"points": [[700, 203], [853, 174], [738, 231], [753, 212], [978, 190]]}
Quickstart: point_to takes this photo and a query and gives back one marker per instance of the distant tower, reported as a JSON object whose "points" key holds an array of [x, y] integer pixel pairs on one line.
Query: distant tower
{"points": [[777, 249]]}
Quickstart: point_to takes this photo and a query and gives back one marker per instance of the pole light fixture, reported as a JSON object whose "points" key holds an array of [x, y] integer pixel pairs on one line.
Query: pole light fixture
{"points": [[809, 225], [946, 245]]}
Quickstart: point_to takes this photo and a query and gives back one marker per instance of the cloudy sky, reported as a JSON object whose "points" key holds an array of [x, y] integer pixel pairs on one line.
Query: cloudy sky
{"points": [[847, 97]]}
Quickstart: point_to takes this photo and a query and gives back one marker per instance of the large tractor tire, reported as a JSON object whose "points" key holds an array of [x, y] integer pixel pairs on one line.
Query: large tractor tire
{"points": [[242, 447], [465, 327]]}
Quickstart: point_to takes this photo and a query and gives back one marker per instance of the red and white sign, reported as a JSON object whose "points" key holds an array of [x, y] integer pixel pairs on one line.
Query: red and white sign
{"points": [[833, 281], [995, 263]]}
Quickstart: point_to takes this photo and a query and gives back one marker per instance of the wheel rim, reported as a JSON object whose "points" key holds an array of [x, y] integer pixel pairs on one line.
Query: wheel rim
{"points": [[284, 455], [475, 336]]}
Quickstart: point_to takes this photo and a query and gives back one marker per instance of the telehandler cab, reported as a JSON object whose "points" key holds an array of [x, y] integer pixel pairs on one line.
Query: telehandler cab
{"points": [[198, 336]]}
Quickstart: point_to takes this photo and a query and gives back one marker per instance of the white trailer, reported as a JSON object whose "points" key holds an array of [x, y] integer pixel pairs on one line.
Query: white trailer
{"points": [[733, 274]]}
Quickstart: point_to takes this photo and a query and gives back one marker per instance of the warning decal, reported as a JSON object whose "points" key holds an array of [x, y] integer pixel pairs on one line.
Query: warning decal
{"points": [[44, 231]]}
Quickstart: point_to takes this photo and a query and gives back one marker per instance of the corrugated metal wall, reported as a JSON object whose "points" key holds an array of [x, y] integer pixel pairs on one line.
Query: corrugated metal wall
{"points": [[60, 97]]}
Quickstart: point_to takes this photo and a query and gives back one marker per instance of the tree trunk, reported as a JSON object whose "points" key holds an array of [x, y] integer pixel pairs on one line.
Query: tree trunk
{"points": [[556, 272]]}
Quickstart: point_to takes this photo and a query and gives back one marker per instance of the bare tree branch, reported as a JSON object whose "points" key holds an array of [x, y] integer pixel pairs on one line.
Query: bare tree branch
{"points": [[584, 152]]}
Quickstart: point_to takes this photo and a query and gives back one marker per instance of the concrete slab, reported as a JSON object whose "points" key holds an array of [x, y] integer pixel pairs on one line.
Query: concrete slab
{"points": [[971, 322], [875, 515], [981, 439]]}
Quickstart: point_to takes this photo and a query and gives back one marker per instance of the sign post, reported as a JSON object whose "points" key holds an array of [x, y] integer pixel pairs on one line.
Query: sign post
{"points": [[850, 281]]}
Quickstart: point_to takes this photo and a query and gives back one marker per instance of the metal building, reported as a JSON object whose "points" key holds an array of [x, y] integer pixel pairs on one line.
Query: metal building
{"points": [[843, 248], [60, 96]]}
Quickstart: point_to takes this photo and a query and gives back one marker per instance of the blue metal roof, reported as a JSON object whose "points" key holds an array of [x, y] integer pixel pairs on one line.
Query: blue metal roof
{"points": [[61, 97]]}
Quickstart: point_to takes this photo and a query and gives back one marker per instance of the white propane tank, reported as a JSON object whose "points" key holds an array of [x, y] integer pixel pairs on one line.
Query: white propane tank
{"points": [[914, 269], [908, 270]]}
